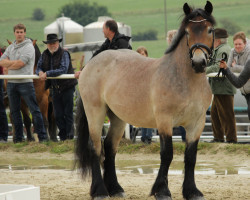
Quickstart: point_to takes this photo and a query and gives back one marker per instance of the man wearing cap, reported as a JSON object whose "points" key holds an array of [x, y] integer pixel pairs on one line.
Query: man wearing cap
{"points": [[19, 59], [53, 62], [222, 109]]}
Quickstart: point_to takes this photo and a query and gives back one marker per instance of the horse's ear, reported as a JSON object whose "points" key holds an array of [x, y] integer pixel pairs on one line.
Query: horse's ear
{"points": [[9, 42], [34, 42], [187, 10], [209, 7]]}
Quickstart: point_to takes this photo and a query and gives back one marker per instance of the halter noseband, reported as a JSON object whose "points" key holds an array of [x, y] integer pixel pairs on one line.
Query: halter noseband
{"points": [[201, 46]]}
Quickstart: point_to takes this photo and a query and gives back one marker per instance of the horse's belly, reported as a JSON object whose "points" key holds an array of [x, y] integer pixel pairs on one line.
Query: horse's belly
{"points": [[135, 114]]}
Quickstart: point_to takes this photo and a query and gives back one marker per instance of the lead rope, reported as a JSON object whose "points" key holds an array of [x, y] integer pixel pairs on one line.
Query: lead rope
{"points": [[221, 70]]}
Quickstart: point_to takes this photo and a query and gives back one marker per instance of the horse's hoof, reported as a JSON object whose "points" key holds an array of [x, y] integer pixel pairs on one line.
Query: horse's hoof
{"points": [[101, 198], [119, 195], [161, 197]]}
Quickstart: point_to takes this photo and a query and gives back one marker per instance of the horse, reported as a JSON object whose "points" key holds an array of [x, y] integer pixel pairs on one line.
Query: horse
{"points": [[43, 101], [158, 93]]}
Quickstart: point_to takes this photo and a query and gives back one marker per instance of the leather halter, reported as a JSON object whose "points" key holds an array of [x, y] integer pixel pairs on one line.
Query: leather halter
{"points": [[201, 46]]}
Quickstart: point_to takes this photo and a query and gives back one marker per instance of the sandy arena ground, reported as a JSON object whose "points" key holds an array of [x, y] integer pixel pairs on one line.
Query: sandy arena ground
{"points": [[67, 185]]}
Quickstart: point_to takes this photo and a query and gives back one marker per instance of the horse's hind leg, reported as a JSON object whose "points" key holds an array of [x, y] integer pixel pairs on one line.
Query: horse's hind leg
{"points": [[96, 118], [160, 188], [190, 191], [111, 142], [52, 123]]}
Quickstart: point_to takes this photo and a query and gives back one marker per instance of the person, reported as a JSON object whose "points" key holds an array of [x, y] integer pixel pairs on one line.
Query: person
{"points": [[170, 36], [239, 55], [146, 133], [176, 130], [3, 116], [222, 109], [53, 62], [237, 81], [142, 50], [114, 40], [19, 59]]}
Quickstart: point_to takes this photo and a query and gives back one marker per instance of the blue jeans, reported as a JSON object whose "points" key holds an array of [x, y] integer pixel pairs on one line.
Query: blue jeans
{"points": [[27, 92], [63, 108], [3, 116], [146, 133], [180, 131]]}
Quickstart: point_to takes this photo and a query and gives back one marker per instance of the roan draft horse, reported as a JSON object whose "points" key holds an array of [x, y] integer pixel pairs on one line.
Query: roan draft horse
{"points": [[154, 93]]}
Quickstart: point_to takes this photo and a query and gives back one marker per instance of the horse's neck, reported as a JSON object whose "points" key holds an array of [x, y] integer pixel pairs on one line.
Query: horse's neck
{"points": [[34, 71], [181, 55]]}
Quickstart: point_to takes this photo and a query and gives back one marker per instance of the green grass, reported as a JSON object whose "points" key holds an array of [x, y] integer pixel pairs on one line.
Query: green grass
{"points": [[141, 15], [126, 146]]}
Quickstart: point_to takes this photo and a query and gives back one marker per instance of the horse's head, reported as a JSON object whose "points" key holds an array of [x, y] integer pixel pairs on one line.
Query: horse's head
{"points": [[199, 32]]}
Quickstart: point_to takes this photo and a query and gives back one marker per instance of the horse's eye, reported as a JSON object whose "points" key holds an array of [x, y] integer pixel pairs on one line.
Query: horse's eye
{"points": [[210, 30]]}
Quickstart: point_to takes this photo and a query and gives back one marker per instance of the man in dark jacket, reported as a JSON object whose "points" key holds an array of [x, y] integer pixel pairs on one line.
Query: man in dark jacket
{"points": [[115, 40], [53, 62]]}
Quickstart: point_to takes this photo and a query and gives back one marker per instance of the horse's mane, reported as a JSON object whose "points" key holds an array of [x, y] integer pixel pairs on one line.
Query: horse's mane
{"points": [[37, 52], [184, 23]]}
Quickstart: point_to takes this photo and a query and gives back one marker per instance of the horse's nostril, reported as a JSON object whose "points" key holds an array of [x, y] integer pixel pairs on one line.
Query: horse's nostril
{"points": [[204, 62]]}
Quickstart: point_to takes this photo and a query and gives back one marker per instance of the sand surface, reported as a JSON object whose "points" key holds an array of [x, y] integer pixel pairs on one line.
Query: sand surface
{"points": [[68, 185]]}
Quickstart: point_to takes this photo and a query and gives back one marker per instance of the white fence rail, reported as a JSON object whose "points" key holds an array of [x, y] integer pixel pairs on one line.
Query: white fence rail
{"points": [[63, 76]]}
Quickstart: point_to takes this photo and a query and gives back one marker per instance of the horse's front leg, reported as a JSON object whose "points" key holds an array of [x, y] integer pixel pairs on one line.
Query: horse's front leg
{"points": [[160, 188], [190, 191]]}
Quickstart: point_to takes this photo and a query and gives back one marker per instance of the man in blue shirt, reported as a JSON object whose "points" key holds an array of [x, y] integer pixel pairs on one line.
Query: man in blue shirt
{"points": [[53, 62]]}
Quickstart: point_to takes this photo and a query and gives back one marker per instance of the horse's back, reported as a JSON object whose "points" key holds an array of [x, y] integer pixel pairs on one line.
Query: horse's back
{"points": [[121, 79]]}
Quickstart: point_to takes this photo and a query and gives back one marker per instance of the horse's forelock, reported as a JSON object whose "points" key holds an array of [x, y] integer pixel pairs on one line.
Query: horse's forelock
{"points": [[181, 32]]}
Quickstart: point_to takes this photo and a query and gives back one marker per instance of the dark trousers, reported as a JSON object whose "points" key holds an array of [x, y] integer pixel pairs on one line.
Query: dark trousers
{"points": [[63, 108], [27, 92], [247, 97], [223, 118], [3, 116]]}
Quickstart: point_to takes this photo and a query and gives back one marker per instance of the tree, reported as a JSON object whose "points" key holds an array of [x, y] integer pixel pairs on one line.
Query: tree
{"points": [[83, 13], [38, 14]]}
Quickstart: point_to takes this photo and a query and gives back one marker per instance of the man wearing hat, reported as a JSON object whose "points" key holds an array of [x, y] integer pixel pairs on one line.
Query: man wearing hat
{"points": [[53, 62], [222, 109]]}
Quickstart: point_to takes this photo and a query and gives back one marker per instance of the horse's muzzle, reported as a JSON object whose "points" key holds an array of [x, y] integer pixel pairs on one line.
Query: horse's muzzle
{"points": [[199, 65]]}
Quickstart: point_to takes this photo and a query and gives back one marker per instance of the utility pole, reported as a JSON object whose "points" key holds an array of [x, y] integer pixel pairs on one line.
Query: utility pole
{"points": [[165, 17]]}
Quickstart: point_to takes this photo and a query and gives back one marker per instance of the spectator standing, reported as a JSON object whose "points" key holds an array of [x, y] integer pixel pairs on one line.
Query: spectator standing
{"points": [[238, 58], [19, 59], [114, 39], [53, 62], [146, 133], [222, 109], [170, 36], [3, 116]]}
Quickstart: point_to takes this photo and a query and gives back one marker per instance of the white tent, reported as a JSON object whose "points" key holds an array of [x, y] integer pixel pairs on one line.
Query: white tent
{"points": [[64, 27]]}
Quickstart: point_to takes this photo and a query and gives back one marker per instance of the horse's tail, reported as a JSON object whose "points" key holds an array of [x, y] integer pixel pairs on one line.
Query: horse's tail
{"points": [[83, 147]]}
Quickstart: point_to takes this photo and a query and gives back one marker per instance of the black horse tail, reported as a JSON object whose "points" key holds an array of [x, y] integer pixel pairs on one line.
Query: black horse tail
{"points": [[84, 151]]}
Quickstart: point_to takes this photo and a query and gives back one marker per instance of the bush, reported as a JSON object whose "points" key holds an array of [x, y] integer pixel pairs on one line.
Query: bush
{"points": [[83, 13], [230, 26], [38, 14], [147, 35]]}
